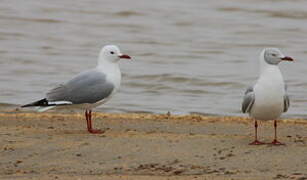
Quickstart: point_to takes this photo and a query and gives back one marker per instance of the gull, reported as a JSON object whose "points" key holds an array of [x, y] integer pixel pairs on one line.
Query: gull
{"points": [[268, 98], [88, 89]]}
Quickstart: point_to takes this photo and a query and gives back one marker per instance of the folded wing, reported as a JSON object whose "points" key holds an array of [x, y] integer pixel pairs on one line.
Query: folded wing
{"points": [[286, 100], [87, 87], [248, 100]]}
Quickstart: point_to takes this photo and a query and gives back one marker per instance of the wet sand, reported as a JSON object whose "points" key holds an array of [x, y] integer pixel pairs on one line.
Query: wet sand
{"points": [[147, 147]]}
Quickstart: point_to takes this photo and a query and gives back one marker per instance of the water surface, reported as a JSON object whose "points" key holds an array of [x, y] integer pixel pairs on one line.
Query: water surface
{"points": [[189, 56]]}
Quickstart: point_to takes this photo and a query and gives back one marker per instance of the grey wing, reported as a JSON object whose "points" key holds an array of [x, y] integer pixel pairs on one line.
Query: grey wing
{"points": [[286, 100], [248, 100], [87, 87]]}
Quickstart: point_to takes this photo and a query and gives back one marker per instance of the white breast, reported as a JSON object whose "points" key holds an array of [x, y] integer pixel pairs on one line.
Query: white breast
{"points": [[269, 95], [113, 75]]}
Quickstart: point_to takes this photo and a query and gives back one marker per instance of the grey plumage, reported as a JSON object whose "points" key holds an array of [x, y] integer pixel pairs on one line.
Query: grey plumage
{"points": [[248, 100], [271, 56], [87, 87], [286, 100]]}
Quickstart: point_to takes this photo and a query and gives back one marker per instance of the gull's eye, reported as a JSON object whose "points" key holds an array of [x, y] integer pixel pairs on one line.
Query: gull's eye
{"points": [[274, 55], [112, 52]]}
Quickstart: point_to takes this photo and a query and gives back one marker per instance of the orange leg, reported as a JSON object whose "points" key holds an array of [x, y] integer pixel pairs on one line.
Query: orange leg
{"points": [[256, 142], [88, 116], [275, 142]]}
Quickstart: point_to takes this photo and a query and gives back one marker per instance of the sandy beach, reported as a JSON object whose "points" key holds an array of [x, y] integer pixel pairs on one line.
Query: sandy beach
{"points": [[147, 146]]}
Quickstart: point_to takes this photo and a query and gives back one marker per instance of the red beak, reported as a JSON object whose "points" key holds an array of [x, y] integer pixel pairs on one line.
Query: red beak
{"points": [[287, 58], [124, 56]]}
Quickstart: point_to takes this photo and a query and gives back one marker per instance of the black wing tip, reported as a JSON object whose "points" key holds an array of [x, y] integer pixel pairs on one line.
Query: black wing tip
{"points": [[243, 110], [42, 102]]}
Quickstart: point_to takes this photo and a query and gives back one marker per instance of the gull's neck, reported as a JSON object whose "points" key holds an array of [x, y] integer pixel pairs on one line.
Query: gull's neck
{"points": [[264, 66], [112, 72], [106, 65], [269, 74]]}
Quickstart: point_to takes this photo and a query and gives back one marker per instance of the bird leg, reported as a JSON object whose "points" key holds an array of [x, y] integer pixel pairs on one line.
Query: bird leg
{"points": [[256, 142], [90, 119], [88, 115], [87, 121], [275, 142]]}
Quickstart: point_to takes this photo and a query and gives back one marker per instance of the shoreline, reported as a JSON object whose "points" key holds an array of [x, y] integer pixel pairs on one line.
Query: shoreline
{"points": [[14, 108], [144, 116]]}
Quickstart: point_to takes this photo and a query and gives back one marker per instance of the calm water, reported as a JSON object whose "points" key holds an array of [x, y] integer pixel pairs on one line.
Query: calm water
{"points": [[189, 55]]}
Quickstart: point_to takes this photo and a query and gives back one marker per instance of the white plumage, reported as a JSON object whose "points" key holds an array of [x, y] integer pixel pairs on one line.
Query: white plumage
{"points": [[267, 99]]}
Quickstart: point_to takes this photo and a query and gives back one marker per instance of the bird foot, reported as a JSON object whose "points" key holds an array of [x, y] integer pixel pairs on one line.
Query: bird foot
{"points": [[256, 142], [95, 131], [276, 143]]}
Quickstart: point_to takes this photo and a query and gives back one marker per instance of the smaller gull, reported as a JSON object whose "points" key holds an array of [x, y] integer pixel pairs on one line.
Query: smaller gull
{"points": [[88, 89], [268, 98]]}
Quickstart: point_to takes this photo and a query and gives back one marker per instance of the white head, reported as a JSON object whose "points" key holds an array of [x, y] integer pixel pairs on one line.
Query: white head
{"points": [[112, 54], [273, 56]]}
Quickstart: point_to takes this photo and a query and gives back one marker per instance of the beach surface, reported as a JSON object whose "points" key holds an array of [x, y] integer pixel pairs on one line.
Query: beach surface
{"points": [[138, 146]]}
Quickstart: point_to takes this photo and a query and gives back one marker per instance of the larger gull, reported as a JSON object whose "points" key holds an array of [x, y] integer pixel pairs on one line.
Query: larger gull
{"points": [[268, 98], [88, 89]]}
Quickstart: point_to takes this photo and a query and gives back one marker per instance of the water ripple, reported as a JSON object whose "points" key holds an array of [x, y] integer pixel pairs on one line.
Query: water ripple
{"points": [[272, 13], [128, 13]]}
